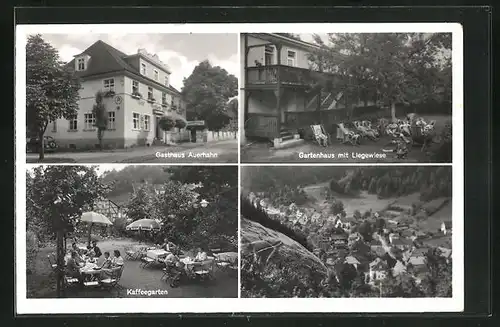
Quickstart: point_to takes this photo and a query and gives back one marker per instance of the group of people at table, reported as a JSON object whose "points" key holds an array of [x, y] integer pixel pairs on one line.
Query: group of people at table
{"points": [[177, 265], [80, 259]]}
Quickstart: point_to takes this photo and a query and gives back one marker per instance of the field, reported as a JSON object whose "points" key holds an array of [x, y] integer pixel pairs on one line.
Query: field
{"points": [[365, 201]]}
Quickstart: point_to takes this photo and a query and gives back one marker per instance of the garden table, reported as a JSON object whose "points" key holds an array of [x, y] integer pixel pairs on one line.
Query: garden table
{"points": [[157, 254]]}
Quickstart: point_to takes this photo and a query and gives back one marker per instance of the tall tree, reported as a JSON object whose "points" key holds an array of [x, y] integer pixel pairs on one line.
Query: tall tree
{"points": [[59, 195], [101, 117], [141, 204], [391, 67], [206, 93], [51, 88], [219, 187]]}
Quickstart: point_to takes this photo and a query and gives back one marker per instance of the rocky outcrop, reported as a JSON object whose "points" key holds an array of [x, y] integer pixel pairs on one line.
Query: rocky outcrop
{"points": [[271, 247]]}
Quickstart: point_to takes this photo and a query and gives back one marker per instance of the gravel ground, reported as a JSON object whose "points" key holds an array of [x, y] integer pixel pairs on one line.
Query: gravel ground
{"points": [[41, 283]]}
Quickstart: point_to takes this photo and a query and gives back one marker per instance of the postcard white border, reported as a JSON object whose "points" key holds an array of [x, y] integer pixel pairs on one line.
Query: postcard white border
{"points": [[210, 305]]}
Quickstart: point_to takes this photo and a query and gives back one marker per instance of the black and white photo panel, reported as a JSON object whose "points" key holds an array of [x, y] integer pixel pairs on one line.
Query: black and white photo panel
{"points": [[124, 231], [132, 94], [354, 96], [348, 232]]}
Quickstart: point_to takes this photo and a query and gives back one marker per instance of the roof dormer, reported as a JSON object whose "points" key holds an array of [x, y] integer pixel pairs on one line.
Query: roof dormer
{"points": [[81, 62]]}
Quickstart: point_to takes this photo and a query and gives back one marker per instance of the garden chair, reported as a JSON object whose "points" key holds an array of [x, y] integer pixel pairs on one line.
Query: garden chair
{"points": [[131, 253], [71, 282], [368, 125], [320, 135], [113, 282], [146, 261], [52, 262], [363, 131], [348, 136], [203, 271]]}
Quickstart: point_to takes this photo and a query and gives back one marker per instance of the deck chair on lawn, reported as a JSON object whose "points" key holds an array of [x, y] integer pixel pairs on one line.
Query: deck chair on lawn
{"points": [[320, 135], [113, 282], [349, 136]]}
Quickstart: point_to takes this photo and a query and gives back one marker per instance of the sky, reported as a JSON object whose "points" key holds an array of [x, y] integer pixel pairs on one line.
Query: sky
{"points": [[181, 52]]}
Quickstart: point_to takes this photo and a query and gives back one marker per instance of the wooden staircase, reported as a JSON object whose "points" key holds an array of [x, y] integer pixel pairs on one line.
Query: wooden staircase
{"points": [[286, 134], [287, 138]]}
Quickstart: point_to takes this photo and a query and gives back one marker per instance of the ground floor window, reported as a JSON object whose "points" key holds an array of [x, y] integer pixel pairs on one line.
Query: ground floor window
{"points": [[111, 120], [73, 124], [54, 126], [89, 121], [135, 120]]}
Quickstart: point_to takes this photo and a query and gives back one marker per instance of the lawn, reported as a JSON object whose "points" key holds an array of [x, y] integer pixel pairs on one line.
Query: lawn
{"points": [[41, 283], [261, 152]]}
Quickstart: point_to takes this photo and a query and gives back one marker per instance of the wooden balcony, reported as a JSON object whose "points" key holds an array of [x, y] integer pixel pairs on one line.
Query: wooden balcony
{"points": [[287, 75]]}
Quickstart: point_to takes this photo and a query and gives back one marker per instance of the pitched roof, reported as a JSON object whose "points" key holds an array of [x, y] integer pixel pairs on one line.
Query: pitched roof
{"points": [[352, 260], [378, 264], [402, 241], [103, 59], [106, 59], [417, 260]]}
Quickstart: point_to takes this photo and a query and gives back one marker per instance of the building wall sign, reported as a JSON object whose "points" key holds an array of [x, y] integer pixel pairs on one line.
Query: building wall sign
{"points": [[196, 123]]}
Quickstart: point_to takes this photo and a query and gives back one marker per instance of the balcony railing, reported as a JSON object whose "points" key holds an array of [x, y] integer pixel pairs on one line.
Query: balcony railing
{"points": [[268, 75]]}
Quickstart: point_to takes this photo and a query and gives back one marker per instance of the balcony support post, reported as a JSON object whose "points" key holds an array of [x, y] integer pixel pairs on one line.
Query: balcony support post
{"points": [[279, 90], [318, 107], [246, 94], [278, 93]]}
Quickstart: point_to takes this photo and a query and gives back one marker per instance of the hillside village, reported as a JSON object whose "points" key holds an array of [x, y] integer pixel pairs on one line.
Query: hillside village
{"points": [[398, 239]]}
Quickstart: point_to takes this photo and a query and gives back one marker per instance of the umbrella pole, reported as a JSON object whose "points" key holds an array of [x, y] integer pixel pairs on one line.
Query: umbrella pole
{"points": [[90, 234]]}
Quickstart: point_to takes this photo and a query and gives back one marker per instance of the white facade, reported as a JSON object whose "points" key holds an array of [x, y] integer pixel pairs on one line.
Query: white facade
{"points": [[132, 121]]}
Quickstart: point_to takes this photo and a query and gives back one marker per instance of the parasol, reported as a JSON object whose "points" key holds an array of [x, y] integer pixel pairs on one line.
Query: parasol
{"points": [[94, 218], [144, 224]]}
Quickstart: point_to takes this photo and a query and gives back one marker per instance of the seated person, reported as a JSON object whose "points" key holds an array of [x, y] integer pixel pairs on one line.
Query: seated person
{"points": [[201, 255], [96, 250], [106, 264], [117, 259], [174, 264], [78, 258], [73, 267], [168, 246]]}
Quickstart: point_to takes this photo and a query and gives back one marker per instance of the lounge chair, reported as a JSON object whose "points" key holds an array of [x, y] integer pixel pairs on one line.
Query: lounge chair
{"points": [[348, 136], [320, 135], [364, 131]]}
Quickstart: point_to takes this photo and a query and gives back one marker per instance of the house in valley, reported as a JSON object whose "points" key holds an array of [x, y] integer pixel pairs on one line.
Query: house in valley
{"points": [[377, 271], [137, 94], [278, 93]]}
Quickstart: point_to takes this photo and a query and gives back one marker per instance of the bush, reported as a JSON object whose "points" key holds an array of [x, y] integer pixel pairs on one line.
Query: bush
{"points": [[166, 123], [119, 226], [337, 208], [180, 123], [32, 248]]}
